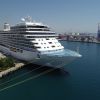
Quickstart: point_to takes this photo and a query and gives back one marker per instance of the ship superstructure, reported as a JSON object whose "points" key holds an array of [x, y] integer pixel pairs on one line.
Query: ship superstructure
{"points": [[32, 41]]}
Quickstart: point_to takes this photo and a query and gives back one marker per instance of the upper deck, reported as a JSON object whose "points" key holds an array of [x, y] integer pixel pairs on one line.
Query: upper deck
{"points": [[27, 24]]}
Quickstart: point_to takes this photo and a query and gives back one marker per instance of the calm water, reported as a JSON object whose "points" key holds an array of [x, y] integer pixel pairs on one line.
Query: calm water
{"points": [[79, 81]]}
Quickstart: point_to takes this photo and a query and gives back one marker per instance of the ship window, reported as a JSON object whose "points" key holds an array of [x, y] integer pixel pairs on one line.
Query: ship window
{"points": [[47, 39], [30, 36], [21, 27], [53, 46], [35, 43], [21, 51], [50, 42], [37, 29], [37, 47], [37, 26]]}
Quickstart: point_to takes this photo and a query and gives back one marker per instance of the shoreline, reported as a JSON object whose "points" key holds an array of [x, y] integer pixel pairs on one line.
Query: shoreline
{"points": [[12, 69], [96, 42], [17, 66]]}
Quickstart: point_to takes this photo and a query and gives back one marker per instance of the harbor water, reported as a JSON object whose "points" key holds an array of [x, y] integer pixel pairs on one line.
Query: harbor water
{"points": [[78, 80]]}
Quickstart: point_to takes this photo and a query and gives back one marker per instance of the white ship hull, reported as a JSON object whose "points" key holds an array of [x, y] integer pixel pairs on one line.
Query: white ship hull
{"points": [[25, 55], [47, 59]]}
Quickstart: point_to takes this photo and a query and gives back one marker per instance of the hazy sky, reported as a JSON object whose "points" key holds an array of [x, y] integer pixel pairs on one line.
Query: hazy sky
{"points": [[61, 15]]}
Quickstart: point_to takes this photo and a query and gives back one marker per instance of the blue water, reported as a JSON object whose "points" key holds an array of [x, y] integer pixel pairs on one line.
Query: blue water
{"points": [[79, 80]]}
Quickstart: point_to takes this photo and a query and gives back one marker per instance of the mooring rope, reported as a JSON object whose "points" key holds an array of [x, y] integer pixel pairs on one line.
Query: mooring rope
{"points": [[18, 83], [24, 74], [36, 76]]}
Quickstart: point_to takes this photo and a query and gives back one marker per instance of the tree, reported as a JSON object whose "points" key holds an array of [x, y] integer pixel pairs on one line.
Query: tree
{"points": [[7, 62]]}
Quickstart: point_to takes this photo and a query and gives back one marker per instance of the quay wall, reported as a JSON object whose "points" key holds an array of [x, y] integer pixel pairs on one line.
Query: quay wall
{"points": [[17, 66]]}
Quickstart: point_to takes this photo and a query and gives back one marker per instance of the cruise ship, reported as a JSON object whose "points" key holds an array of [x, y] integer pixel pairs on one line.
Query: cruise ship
{"points": [[34, 42]]}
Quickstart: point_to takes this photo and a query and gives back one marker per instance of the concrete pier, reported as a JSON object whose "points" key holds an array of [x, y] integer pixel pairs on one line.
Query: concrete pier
{"points": [[17, 66]]}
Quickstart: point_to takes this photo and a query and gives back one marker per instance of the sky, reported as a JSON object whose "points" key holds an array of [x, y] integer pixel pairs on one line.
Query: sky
{"points": [[60, 15]]}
